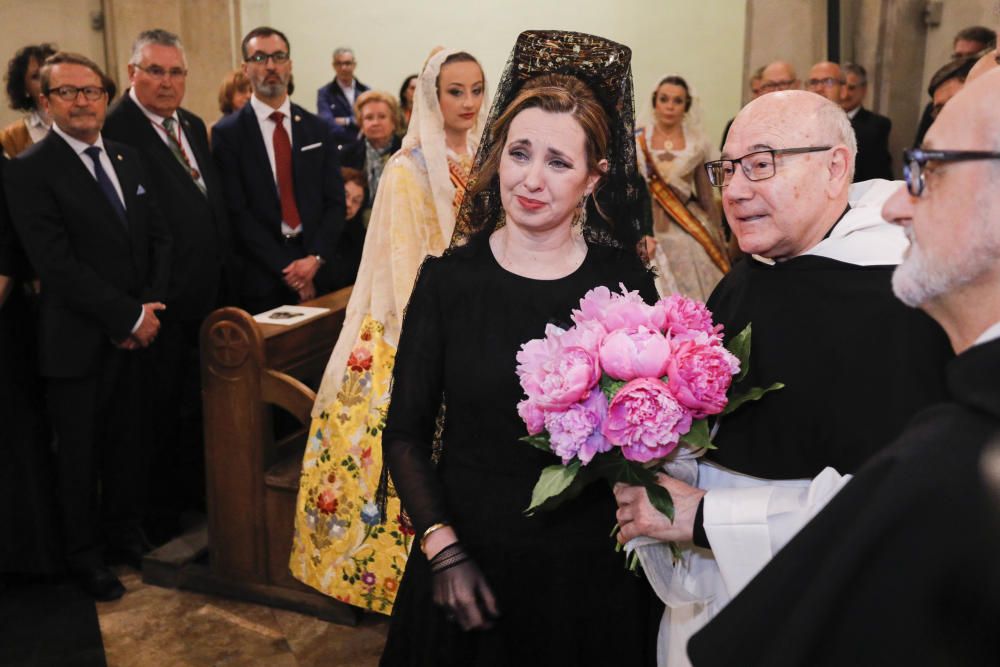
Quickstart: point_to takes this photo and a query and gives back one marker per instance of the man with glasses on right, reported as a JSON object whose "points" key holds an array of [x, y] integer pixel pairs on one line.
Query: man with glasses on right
{"points": [[856, 363], [902, 567]]}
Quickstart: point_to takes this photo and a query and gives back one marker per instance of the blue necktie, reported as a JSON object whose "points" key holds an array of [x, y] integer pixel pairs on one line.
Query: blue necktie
{"points": [[107, 187]]}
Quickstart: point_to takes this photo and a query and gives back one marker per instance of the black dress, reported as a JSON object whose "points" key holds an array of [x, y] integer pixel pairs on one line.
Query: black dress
{"points": [[28, 531], [564, 595]]}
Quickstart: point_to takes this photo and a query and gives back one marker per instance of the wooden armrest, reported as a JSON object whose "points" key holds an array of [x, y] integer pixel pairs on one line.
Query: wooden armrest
{"points": [[285, 391]]}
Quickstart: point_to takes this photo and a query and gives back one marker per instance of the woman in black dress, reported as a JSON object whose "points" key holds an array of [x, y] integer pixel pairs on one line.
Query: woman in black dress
{"points": [[552, 214]]}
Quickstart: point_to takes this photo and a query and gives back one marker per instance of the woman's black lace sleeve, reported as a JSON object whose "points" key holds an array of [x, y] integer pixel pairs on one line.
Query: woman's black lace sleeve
{"points": [[417, 382]]}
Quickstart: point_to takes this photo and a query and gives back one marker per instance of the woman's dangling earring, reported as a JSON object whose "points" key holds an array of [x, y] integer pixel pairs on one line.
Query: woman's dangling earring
{"points": [[580, 216]]}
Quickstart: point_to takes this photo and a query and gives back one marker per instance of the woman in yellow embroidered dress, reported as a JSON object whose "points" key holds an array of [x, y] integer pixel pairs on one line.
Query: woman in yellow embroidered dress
{"points": [[690, 254], [340, 547]]}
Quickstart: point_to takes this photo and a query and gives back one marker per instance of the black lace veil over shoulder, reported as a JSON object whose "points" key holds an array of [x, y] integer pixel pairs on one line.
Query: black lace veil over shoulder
{"points": [[605, 67]]}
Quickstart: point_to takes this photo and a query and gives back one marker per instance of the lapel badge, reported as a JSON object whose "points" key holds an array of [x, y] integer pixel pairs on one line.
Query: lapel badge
{"points": [[297, 118], [119, 156]]}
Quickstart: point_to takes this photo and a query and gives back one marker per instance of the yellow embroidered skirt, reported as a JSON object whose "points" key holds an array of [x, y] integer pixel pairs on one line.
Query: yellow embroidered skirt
{"points": [[341, 547]]}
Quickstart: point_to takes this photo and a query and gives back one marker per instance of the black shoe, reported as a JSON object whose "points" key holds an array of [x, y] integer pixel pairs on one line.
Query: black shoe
{"points": [[130, 554], [100, 583]]}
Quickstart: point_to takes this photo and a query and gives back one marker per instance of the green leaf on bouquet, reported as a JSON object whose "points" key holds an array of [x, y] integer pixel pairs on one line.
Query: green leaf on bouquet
{"points": [[698, 437], [619, 469], [610, 386], [556, 484], [752, 395], [740, 347], [540, 441]]}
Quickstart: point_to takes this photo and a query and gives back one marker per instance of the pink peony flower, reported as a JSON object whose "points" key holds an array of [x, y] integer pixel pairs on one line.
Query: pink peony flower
{"points": [[613, 310], [645, 420], [700, 371], [555, 375], [679, 315], [533, 416], [627, 354], [576, 432]]}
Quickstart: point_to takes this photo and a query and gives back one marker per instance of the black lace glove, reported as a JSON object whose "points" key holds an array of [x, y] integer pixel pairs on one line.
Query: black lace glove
{"points": [[461, 589]]}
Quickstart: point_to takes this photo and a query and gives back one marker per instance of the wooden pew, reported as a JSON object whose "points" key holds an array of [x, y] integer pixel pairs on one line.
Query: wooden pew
{"points": [[252, 477]]}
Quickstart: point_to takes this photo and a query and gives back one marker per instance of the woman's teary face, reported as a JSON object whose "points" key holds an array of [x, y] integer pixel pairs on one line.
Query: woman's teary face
{"points": [[460, 94], [544, 173]]}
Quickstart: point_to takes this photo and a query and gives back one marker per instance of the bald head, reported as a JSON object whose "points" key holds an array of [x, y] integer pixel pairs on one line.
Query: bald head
{"points": [[778, 75], [785, 211], [988, 62], [826, 79]]}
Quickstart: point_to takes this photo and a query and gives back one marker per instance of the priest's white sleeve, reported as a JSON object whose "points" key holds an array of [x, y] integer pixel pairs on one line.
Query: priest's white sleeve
{"points": [[748, 520]]}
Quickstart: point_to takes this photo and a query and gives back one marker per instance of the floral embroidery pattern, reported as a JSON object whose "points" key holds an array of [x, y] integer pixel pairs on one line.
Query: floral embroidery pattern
{"points": [[341, 546]]}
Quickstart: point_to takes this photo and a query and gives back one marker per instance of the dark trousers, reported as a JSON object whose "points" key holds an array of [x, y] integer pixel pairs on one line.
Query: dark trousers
{"points": [[102, 436], [177, 471]]}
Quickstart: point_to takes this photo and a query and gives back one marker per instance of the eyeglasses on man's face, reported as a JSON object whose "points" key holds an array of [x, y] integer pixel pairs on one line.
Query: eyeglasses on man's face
{"points": [[70, 93], [260, 58], [827, 82], [771, 86], [158, 73], [915, 167], [756, 166]]}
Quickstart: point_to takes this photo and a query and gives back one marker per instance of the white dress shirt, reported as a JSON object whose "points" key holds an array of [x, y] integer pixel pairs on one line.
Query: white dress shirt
{"points": [[37, 128], [350, 92], [79, 147], [992, 333], [263, 113], [157, 120]]}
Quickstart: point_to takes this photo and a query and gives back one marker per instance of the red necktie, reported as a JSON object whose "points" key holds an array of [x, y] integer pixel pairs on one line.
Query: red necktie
{"points": [[283, 165]]}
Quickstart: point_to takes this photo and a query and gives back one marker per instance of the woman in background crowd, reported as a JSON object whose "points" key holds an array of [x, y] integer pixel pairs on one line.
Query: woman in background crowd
{"points": [[341, 545], [406, 99], [234, 92], [376, 114], [690, 253], [23, 88]]}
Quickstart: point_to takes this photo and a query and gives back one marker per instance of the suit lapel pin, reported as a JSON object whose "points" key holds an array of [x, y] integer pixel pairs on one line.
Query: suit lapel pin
{"points": [[297, 118], [119, 156]]}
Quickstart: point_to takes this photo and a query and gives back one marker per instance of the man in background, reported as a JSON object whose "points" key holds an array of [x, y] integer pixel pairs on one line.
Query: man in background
{"points": [[871, 129], [335, 101], [173, 144]]}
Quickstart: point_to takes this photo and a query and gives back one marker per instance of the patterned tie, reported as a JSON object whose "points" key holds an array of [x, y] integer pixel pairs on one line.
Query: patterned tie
{"points": [[177, 148], [283, 165], [107, 187]]}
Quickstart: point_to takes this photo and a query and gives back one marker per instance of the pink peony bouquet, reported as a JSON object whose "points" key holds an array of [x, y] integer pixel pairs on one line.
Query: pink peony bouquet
{"points": [[617, 394]]}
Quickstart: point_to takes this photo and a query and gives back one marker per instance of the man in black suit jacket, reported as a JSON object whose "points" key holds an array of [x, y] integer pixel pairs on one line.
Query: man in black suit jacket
{"points": [[173, 143], [98, 243], [871, 129], [282, 184], [335, 101]]}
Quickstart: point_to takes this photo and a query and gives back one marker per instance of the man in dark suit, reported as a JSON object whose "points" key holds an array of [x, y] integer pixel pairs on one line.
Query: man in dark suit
{"points": [[99, 244], [174, 147], [335, 101], [282, 184], [871, 129]]}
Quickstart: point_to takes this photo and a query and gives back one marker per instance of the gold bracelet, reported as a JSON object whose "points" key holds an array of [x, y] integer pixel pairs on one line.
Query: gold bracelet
{"points": [[427, 533]]}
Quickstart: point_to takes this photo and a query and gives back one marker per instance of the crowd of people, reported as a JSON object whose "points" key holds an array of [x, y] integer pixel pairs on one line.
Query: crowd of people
{"points": [[466, 228]]}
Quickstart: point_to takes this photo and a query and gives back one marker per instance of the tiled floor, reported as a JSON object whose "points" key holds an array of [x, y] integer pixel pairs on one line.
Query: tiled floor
{"points": [[154, 626]]}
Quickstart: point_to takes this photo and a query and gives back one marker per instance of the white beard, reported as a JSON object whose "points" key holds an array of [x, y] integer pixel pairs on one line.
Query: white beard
{"points": [[921, 278]]}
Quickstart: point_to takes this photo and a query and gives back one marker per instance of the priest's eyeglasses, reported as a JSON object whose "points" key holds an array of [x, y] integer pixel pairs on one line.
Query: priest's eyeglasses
{"points": [[915, 164], [756, 166]]}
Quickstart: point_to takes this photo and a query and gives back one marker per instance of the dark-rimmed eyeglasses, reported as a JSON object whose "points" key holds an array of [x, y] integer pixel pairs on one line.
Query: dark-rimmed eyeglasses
{"points": [[828, 82], [158, 73], [915, 164], [756, 166], [279, 58], [70, 93], [771, 86]]}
